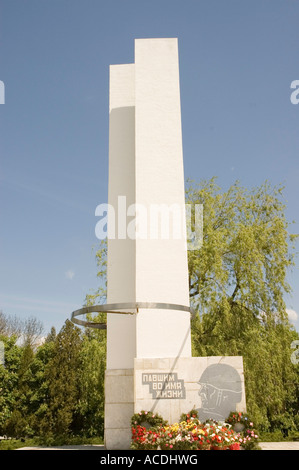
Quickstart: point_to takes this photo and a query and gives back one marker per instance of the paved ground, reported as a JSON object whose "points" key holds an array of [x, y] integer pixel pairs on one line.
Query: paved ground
{"points": [[279, 445], [263, 445]]}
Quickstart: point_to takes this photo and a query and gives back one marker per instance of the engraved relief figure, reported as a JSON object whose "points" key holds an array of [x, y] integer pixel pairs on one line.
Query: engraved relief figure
{"points": [[220, 391]]}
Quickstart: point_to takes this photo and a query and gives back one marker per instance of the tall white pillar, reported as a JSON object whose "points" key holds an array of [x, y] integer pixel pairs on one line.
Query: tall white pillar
{"points": [[121, 266], [145, 167], [161, 264]]}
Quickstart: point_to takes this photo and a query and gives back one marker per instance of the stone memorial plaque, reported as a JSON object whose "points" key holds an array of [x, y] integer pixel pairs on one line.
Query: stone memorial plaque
{"points": [[214, 386], [165, 386]]}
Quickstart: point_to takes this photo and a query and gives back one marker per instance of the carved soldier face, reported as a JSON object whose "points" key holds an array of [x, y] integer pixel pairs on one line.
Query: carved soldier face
{"points": [[211, 397], [220, 391]]}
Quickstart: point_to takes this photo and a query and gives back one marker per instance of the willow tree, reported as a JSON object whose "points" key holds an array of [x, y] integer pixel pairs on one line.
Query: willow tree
{"points": [[238, 282]]}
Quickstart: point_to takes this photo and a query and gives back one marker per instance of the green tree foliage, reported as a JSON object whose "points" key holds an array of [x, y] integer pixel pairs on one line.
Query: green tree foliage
{"points": [[56, 390], [99, 295], [19, 423], [8, 379], [63, 375], [246, 252], [38, 380], [93, 362], [237, 286]]}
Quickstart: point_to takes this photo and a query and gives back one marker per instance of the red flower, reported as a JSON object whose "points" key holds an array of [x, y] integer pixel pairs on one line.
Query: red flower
{"points": [[235, 446]]}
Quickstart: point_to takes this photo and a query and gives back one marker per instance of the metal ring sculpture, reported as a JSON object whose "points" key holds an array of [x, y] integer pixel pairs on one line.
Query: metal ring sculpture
{"points": [[130, 308]]}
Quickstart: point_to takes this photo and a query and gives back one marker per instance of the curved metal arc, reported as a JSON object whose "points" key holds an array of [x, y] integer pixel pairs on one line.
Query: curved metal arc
{"points": [[121, 308]]}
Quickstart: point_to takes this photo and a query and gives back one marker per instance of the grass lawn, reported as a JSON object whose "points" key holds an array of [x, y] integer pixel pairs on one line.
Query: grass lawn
{"points": [[12, 444]]}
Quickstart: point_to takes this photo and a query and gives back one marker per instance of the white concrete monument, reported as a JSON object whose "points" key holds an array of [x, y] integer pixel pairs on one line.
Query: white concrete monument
{"points": [[146, 169], [149, 363], [146, 166]]}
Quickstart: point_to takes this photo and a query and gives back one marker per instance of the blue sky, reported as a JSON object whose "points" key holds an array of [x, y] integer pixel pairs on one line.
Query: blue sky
{"points": [[237, 61]]}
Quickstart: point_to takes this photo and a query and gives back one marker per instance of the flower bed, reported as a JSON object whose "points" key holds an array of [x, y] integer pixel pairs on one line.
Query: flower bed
{"points": [[244, 427], [188, 434]]}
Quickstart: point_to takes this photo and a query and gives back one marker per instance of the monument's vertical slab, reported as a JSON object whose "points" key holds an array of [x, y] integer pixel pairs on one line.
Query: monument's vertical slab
{"points": [[121, 273], [161, 257], [146, 170], [121, 278]]}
